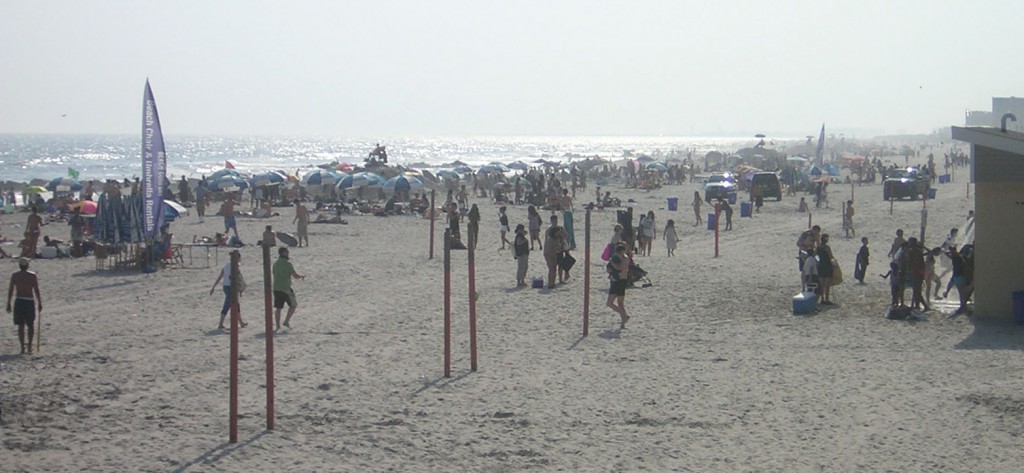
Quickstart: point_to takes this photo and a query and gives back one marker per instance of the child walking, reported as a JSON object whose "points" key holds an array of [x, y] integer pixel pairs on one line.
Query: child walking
{"points": [[671, 237], [895, 283]]}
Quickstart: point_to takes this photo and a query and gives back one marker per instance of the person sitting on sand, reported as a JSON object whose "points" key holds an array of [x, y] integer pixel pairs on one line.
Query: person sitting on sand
{"points": [[322, 218], [52, 242]]}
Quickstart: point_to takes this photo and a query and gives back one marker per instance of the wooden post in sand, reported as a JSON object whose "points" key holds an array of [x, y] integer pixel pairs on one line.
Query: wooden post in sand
{"points": [[472, 307], [586, 274], [808, 220], [39, 333], [717, 214], [447, 303], [233, 401], [432, 193], [268, 241]]}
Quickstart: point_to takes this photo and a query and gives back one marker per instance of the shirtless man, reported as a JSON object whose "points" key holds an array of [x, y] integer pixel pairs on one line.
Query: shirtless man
{"points": [[32, 231], [565, 203], [227, 209], [27, 286], [302, 220]]}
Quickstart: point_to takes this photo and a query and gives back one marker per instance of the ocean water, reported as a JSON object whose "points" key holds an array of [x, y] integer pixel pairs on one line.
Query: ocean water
{"points": [[26, 157]]}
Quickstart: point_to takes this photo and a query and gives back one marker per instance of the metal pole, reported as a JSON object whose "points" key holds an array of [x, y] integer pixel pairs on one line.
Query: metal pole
{"points": [[717, 214], [472, 308], [586, 275], [432, 194], [233, 400], [447, 303], [269, 240]]}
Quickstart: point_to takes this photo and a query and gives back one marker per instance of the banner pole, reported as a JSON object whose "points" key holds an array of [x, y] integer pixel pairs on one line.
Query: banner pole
{"points": [[233, 396], [431, 250], [586, 275], [447, 304], [269, 240], [472, 308]]}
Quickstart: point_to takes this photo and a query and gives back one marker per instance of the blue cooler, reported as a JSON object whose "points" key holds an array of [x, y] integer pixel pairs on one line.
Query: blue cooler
{"points": [[804, 303], [538, 282], [746, 209], [673, 203], [711, 221], [944, 179], [931, 193], [732, 198]]}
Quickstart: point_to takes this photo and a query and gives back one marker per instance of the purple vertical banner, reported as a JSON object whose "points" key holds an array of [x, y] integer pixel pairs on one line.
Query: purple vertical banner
{"points": [[154, 167]]}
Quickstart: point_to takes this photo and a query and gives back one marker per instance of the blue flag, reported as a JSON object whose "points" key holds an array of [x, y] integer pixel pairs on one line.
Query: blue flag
{"points": [[154, 167]]}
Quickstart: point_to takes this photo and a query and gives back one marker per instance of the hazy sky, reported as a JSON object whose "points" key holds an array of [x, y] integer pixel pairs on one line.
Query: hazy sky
{"points": [[438, 67]]}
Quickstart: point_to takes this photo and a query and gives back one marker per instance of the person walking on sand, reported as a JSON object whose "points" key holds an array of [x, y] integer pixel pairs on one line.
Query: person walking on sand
{"points": [[696, 208], [201, 200], [555, 242], [618, 274], [25, 288], [521, 252], [302, 223], [534, 221], [225, 277], [227, 209], [283, 272], [671, 237], [565, 203], [860, 266], [33, 227], [848, 219], [503, 227], [648, 232], [472, 226]]}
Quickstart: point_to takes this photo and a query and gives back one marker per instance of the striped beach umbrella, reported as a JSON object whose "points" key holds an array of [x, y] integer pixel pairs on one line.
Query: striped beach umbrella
{"points": [[402, 183]]}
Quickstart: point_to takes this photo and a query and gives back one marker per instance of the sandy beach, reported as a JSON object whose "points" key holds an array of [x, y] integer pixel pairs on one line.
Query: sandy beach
{"points": [[713, 372]]}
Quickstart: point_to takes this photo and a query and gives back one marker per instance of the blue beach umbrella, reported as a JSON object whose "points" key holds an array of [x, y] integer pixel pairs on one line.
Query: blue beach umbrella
{"points": [[321, 177], [462, 169], [227, 183], [222, 173], [267, 179], [493, 168], [519, 166], [402, 183], [64, 184], [660, 167]]}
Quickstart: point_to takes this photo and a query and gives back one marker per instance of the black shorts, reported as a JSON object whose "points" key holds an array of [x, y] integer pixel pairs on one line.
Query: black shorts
{"points": [[24, 311], [618, 288], [281, 297]]}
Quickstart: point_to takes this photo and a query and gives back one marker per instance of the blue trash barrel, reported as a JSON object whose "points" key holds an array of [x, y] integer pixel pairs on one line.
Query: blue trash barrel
{"points": [[746, 209], [673, 203], [1018, 308], [931, 193], [732, 198], [711, 221]]}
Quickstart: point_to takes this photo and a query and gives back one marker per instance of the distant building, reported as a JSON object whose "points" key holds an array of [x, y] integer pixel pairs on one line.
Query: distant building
{"points": [[979, 118]]}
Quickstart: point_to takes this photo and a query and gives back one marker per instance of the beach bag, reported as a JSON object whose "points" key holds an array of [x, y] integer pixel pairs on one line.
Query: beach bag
{"points": [[241, 284], [837, 274], [566, 261], [607, 254]]}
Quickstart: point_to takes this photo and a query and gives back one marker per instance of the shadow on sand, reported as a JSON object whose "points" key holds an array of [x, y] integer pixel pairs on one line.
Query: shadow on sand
{"points": [[993, 334], [215, 454]]}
